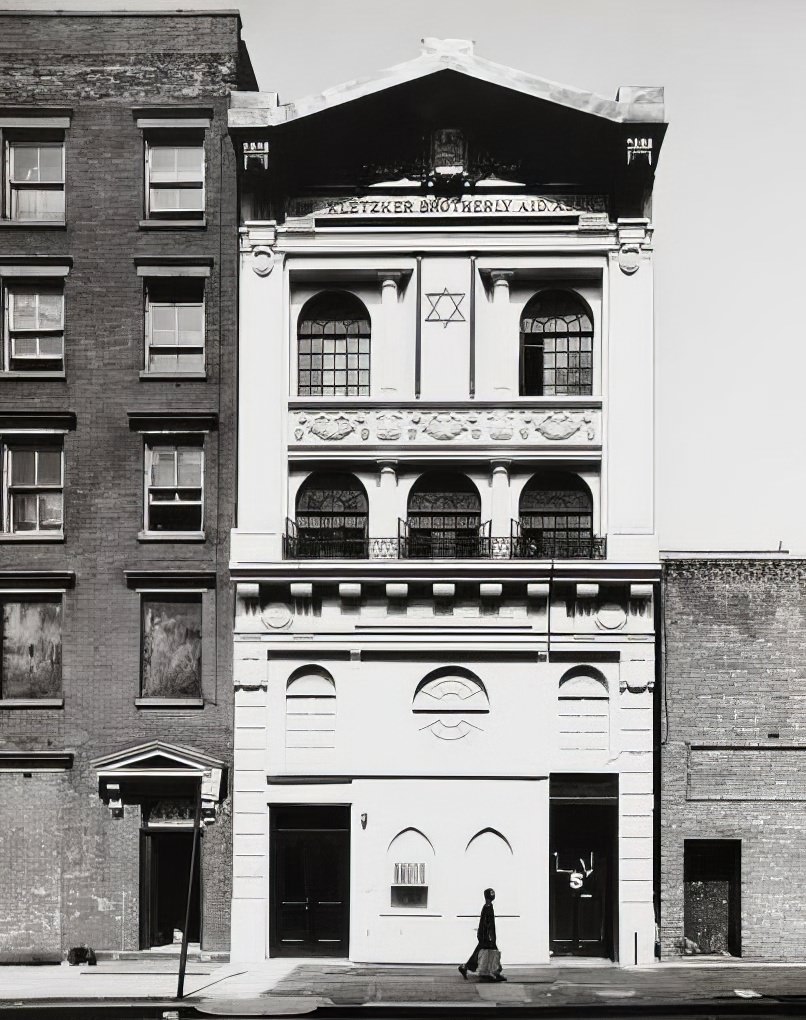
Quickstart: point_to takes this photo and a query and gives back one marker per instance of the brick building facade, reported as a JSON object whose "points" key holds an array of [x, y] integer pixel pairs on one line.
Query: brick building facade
{"points": [[118, 265], [732, 757]]}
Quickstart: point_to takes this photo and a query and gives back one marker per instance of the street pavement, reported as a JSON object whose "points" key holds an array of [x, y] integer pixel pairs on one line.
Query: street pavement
{"points": [[300, 986]]}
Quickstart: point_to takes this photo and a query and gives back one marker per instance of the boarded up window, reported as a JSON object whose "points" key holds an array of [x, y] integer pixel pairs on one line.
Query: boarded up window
{"points": [[32, 650], [172, 647], [584, 714], [310, 707]]}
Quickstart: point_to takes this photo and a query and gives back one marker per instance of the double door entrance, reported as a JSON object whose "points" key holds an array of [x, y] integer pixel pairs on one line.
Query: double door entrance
{"points": [[310, 881]]}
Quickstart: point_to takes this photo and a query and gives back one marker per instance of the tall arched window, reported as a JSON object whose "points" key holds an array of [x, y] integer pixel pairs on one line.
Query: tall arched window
{"points": [[333, 346], [556, 345], [310, 710], [331, 521], [584, 711], [444, 518], [556, 518]]}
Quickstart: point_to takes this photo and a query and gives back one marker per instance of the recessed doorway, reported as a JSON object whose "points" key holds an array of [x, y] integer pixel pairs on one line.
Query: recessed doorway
{"points": [[164, 872], [310, 881], [712, 876]]}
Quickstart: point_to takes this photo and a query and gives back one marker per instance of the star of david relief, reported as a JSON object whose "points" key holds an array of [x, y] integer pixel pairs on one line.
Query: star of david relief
{"points": [[445, 307]]}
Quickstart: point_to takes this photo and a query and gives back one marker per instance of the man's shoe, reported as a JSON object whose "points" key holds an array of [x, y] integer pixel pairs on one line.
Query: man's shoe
{"points": [[500, 977], [463, 970]]}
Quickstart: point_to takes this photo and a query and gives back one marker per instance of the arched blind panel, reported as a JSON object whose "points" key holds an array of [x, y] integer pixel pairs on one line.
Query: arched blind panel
{"points": [[556, 345], [333, 346]]}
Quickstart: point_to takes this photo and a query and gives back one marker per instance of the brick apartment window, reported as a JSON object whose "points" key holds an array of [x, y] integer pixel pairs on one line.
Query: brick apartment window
{"points": [[34, 179], [175, 178], [31, 654], [175, 325], [33, 488], [34, 327], [174, 487], [171, 646]]}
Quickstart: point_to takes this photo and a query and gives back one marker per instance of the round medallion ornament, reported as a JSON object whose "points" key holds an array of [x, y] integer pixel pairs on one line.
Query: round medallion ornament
{"points": [[611, 616], [276, 616], [262, 261]]}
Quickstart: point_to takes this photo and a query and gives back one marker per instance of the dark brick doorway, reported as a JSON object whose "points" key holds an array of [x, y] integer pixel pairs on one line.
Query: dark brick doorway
{"points": [[164, 871], [712, 875]]}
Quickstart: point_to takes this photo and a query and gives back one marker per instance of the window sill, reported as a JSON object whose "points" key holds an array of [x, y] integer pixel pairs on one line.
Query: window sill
{"points": [[167, 703], [33, 375], [173, 376], [34, 224], [14, 703], [174, 224], [35, 536], [409, 912], [171, 536]]}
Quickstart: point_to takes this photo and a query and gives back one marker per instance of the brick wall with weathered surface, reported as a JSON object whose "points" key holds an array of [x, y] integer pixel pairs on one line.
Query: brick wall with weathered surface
{"points": [[70, 869], [734, 740]]}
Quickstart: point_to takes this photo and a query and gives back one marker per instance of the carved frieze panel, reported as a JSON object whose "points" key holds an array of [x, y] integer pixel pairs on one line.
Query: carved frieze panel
{"points": [[502, 426]]}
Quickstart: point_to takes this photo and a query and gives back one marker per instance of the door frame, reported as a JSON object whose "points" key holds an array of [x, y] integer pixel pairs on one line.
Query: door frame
{"points": [[273, 950], [147, 891]]}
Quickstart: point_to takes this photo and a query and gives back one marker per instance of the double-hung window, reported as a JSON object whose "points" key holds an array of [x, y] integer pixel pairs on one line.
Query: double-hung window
{"points": [[30, 647], [34, 172], [171, 646], [175, 325], [33, 326], [33, 486], [175, 176], [174, 486]]}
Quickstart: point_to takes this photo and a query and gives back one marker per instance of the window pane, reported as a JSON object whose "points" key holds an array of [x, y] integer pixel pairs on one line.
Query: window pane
{"points": [[50, 310], [50, 511], [163, 162], [24, 513], [50, 346], [23, 467], [25, 163], [190, 465], [24, 347], [32, 204], [50, 467], [191, 325], [162, 362], [190, 163], [163, 319], [190, 362], [23, 309], [172, 648], [163, 466], [176, 199], [32, 650]]}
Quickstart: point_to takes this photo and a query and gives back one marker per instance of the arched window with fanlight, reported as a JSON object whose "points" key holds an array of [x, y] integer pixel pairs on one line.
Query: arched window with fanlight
{"points": [[333, 346], [556, 346], [444, 519], [556, 519], [331, 518]]}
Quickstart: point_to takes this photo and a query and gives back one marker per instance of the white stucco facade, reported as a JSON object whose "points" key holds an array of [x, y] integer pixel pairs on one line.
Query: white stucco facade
{"points": [[454, 704]]}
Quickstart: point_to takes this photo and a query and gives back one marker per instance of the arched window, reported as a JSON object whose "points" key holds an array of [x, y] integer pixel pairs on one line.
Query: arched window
{"points": [[408, 860], [333, 344], [556, 345], [310, 710], [584, 711], [331, 519], [556, 518], [452, 702], [444, 519]]}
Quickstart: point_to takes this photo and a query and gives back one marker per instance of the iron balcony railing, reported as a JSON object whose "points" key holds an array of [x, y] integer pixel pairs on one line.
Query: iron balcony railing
{"points": [[420, 544]]}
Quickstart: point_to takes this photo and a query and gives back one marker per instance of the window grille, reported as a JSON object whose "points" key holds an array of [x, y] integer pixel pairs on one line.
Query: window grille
{"points": [[409, 874], [333, 347], [556, 346]]}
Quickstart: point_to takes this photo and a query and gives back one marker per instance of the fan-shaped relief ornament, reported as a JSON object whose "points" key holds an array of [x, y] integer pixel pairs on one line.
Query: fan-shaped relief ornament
{"points": [[447, 702]]}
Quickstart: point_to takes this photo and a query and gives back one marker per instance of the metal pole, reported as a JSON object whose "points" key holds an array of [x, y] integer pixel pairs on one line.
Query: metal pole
{"points": [[183, 957]]}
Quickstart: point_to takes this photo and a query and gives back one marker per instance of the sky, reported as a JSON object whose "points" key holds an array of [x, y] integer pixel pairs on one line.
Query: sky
{"points": [[729, 210]]}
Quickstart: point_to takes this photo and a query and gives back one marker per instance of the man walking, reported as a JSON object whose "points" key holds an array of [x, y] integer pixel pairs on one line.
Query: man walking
{"points": [[486, 957]]}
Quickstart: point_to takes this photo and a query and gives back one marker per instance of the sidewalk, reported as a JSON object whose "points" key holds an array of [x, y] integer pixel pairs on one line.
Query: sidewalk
{"points": [[299, 986]]}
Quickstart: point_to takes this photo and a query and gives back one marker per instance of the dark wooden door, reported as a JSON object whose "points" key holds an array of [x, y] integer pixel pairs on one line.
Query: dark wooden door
{"points": [[582, 887], [310, 864]]}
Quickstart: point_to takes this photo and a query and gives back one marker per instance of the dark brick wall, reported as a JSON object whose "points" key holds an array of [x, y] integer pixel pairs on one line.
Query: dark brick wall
{"points": [[735, 675], [68, 871]]}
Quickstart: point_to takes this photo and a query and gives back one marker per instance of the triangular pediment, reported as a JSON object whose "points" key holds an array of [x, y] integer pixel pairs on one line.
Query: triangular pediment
{"points": [[157, 755], [638, 105]]}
